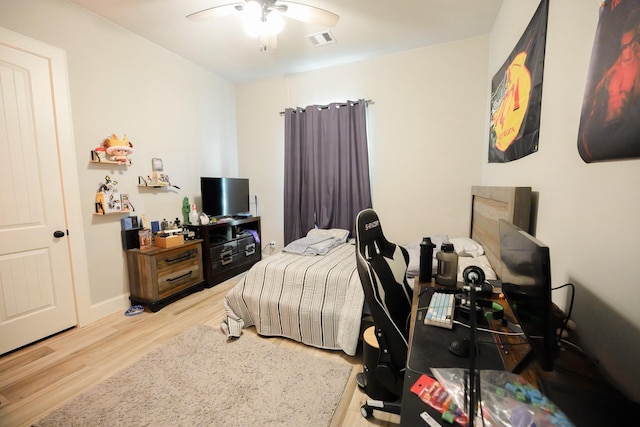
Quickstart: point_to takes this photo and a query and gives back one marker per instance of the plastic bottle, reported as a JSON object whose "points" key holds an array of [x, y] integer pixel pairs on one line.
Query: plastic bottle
{"points": [[194, 218], [447, 273], [426, 259]]}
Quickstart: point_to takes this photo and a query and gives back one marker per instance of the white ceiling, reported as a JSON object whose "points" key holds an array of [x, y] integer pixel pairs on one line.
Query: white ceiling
{"points": [[367, 28]]}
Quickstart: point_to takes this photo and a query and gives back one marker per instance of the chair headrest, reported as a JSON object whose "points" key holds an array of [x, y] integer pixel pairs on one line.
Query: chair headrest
{"points": [[369, 237]]}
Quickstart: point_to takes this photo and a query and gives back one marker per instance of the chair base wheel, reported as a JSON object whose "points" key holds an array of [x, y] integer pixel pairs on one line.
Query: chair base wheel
{"points": [[378, 405], [361, 380], [366, 411]]}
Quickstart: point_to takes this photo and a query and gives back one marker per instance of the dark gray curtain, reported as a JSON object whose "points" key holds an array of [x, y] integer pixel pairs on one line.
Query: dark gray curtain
{"points": [[326, 176]]}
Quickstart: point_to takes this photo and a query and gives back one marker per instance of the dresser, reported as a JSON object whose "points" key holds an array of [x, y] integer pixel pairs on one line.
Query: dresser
{"points": [[158, 276]]}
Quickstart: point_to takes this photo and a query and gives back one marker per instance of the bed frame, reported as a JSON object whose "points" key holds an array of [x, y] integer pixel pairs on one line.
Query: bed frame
{"points": [[488, 206]]}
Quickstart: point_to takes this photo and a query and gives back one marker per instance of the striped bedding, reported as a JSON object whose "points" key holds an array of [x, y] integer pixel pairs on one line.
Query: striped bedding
{"points": [[316, 300]]}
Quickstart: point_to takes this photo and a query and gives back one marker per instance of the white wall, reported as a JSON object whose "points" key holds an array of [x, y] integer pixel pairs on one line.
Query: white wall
{"points": [[588, 214], [168, 107], [425, 132]]}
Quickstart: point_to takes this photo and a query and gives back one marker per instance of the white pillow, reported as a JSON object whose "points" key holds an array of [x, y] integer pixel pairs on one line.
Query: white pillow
{"points": [[336, 233], [466, 247]]}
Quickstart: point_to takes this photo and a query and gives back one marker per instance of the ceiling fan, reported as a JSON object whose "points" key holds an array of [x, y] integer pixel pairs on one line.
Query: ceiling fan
{"points": [[263, 18]]}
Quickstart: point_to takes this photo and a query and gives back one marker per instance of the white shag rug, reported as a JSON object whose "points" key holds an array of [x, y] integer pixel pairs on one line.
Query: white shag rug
{"points": [[200, 379]]}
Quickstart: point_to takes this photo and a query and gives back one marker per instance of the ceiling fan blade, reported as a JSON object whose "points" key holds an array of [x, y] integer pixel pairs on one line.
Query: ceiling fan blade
{"points": [[310, 14], [216, 11]]}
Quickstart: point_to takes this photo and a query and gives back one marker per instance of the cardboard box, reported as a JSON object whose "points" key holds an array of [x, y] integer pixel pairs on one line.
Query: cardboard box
{"points": [[169, 241]]}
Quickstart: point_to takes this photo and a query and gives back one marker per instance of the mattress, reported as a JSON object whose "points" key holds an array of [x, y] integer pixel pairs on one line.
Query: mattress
{"points": [[315, 300]]}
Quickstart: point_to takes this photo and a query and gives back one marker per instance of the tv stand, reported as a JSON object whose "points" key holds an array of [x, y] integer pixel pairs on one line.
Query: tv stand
{"points": [[229, 247]]}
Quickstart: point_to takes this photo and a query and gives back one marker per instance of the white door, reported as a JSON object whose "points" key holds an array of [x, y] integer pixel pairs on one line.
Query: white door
{"points": [[36, 288]]}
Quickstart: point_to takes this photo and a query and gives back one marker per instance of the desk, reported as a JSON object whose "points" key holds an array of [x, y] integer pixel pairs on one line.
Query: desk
{"points": [[576, 385]]}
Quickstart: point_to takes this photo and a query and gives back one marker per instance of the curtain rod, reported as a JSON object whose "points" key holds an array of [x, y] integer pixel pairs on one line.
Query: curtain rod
{"points": [[366, 103]]}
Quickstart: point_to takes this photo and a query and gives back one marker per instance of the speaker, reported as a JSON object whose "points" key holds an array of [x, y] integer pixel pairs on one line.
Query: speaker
{"points": [[473, 275], [130, 239]]}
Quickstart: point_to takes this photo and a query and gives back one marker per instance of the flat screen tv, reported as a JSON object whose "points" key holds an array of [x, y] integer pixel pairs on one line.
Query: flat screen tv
{"points": [[224, 197], [526, 283]]}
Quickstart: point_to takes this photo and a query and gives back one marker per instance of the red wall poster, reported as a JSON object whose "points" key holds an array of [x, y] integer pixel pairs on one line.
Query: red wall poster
{"points": [[516, 94], [610, 119]]}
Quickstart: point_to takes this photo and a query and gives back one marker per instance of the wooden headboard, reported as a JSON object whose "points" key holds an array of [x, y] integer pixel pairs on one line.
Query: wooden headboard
{"points": [[488, 206]]}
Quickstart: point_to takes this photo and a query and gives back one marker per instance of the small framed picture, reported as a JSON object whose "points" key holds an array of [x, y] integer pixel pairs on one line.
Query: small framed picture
{"points": [[156, 165], [145, 239], [126, 205]]}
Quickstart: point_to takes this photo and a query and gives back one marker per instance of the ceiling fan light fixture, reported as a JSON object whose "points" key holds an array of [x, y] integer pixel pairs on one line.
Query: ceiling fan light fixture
{"points": [[252, 10], [259, 22], [263, 19], [273, 25]]}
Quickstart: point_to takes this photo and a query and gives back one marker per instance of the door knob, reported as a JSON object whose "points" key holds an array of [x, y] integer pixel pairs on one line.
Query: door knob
{"points": [[58, 233]]}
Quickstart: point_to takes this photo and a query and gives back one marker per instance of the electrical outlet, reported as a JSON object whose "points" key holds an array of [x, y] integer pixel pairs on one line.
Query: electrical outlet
{"points": [[272, 243]]}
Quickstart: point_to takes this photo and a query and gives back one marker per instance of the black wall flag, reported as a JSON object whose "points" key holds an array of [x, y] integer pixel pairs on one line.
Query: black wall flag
{"points": [[516, 94]]}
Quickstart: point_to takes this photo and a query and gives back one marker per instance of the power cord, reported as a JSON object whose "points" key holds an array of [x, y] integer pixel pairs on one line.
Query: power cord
{"points": [[269, 246], [568, 316], [520, 334]]}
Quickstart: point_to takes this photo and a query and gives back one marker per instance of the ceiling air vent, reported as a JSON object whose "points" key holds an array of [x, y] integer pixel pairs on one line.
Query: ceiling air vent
{"points": [[320, 39]]}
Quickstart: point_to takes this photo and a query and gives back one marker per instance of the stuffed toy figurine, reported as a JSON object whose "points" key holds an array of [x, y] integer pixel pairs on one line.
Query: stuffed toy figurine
{"points": [[118, 150]]}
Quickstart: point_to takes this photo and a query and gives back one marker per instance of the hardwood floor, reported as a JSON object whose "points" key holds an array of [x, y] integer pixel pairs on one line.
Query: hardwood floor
{"points": [[43, 376]]}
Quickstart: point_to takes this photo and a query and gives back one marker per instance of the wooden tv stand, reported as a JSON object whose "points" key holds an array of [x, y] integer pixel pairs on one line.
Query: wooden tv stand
{"points": [[228, 248]]}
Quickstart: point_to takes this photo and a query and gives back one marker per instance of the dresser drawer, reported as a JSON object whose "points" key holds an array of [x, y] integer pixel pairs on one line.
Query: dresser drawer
{"points": [[225, 250], [176, 278], [248, 257], [247, 245], [177, 258], [248, 251], [226, 263]]}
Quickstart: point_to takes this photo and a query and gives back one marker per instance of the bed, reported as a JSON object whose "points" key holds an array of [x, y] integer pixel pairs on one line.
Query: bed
{"points": [[491, 204], [318, 300]]}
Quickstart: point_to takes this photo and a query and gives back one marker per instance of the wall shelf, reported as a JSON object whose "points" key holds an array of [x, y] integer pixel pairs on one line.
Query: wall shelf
{"points": [[151, 182], [95, 158], [112, 213]]}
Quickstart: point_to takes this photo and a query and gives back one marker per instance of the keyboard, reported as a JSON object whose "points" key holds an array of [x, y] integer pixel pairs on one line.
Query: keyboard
{"points": [[440, 311]]}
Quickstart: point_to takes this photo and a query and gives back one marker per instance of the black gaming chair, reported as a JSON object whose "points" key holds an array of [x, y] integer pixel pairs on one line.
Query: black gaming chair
{"points": [[382, 267]]}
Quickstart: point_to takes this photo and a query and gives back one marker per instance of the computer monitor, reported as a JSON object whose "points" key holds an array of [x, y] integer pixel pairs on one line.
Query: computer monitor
{"points": [[526, 283]]}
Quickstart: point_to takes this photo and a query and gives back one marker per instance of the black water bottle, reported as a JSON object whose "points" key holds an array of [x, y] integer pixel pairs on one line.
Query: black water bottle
{"points": [[426, 259]]}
